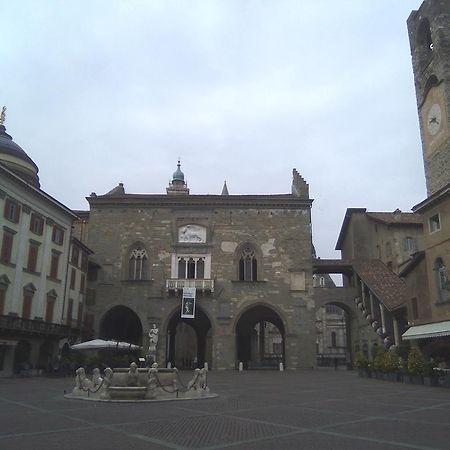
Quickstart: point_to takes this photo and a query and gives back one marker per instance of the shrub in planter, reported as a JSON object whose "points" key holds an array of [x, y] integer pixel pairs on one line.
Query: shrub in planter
{"points": [[430, 377], [416, 365], [362, 364], [379, 360]]}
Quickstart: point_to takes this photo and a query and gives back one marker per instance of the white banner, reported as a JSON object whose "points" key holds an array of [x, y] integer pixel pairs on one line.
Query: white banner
{"points": [[188, 303]]}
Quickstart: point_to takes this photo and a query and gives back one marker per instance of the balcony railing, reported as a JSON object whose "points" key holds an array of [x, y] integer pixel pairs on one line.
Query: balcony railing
{"points": [[175, 284], [12, 323]]}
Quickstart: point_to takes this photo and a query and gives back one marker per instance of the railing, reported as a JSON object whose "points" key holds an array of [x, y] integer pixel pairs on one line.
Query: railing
{"points": [[33, 326], [178, 284]]}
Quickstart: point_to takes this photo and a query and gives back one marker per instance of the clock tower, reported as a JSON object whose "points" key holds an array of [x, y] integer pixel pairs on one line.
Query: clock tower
{"points": [[429, 35]]}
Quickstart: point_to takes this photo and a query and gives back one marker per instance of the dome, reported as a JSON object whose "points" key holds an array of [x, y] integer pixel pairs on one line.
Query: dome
{"points": [[178, 175], [16, 160]]}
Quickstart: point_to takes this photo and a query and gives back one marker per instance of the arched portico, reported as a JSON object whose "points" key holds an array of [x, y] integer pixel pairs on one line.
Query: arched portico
{"points": [[189, 341], [260, 337], [121, 323]]}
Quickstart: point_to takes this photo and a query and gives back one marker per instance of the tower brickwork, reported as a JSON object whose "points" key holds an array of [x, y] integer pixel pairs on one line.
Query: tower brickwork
{"points": [[429, 35]]}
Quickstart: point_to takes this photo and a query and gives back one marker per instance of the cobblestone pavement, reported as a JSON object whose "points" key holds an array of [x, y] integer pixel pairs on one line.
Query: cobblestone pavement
{"points": [[318, 409]]}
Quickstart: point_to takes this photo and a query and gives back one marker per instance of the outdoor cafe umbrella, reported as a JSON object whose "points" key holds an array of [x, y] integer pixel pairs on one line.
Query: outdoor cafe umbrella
{"points": [[100, 344]]}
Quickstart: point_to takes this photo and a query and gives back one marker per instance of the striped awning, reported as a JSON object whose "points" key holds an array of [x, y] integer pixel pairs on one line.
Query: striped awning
{"points": [[429, 330]]}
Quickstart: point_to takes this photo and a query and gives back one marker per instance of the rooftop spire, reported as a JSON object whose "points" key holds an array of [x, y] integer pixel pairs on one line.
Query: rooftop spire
{"points": [[225, 189]]}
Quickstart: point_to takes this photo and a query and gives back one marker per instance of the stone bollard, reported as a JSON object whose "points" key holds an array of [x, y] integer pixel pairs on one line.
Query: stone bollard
{"points": [[281, 367], [241, 366], [169, 365]]}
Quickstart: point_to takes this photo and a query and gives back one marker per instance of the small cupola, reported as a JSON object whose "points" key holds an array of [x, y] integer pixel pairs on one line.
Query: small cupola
{"points": [[178, 186]]}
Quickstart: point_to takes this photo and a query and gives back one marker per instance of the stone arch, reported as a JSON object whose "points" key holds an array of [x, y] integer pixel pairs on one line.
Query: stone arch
{"points": [[121, 323], [22, 354], [327, 353], [260, 331], [248, 262], [196, 347]]}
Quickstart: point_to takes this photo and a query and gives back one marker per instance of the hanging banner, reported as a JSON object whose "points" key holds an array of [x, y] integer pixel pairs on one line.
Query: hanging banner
{"points": [[188, 303]]}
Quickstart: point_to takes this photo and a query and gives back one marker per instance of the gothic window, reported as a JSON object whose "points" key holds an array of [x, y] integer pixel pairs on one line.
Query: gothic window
{"points": [[138, 264], [191, 267], [424, 39], [248, 264], [442, 280]]}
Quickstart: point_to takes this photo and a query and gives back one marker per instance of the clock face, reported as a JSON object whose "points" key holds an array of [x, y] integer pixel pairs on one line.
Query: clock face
{"points": [[434, 119]]}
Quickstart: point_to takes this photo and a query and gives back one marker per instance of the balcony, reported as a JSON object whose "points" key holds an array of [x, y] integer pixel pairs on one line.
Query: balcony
{"points": [[176, 284], [39, 327]]}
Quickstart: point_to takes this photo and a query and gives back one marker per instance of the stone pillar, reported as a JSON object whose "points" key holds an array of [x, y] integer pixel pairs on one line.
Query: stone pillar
{"points": [[224, 351], [363, 294], [396, 333], [372, 307], [383, 318]]}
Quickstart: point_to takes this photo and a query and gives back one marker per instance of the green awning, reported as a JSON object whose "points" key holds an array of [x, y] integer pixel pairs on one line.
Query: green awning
{"points": [[429, 330]]}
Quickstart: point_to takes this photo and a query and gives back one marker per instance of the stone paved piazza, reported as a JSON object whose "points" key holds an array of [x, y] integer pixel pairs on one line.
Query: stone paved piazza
{"points": [[319, 409]]}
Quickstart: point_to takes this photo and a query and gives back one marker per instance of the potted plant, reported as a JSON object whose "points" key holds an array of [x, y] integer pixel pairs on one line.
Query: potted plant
{"points": [[391, 365], [416, 365], [362, 364], [430, 377], [379, 362]]}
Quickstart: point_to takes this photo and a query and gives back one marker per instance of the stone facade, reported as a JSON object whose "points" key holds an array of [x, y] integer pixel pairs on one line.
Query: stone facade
{"points": [[274, 229]]}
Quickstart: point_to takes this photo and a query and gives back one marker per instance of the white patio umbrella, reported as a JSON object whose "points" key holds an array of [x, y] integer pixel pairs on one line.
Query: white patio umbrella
{"points": [[100, 344]]}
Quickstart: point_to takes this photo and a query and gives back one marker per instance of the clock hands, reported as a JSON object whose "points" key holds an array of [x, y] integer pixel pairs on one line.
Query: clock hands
{"points": [[433, 120]]}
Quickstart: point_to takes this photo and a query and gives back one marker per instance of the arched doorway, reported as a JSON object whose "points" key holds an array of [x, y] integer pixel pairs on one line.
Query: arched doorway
{"points": [[22, 357], [122, 324], [189, 340], [260, 338], [45, 355], [333, 340]]}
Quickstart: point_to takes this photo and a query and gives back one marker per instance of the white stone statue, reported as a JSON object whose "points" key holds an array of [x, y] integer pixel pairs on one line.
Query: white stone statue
{"points": [[153, 336]]}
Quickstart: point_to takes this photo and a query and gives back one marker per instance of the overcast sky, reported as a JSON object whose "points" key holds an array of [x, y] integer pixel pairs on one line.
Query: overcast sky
{"points": [[101, 92]]}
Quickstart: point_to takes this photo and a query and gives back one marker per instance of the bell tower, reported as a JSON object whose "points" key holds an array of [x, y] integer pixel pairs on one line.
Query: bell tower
{"points": [[429, 36]]}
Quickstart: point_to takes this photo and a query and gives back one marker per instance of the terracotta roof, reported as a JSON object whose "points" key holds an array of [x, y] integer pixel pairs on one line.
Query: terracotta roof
{"points": [[385, 284], [396, 218]]}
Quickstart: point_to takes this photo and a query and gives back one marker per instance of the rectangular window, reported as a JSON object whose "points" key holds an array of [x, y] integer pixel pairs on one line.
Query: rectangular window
{"points": [[58, 235], [82, 283], [80, 314], [32, 257], [73, 277], [434, 223], [36, 224], [49, 309], [69, 312], [26, 307], [84, 262], [54, 265], [12, 210], [7, 244], [409, 244], [2, 301], [75, 255]]}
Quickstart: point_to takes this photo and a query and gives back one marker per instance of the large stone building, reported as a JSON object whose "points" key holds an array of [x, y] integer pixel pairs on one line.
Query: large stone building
{"points": [[249, 258], [37, 305]]}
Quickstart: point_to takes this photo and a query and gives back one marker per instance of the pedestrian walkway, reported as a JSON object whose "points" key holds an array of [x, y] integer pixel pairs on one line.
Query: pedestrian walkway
{"points": [[317, 409]]}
